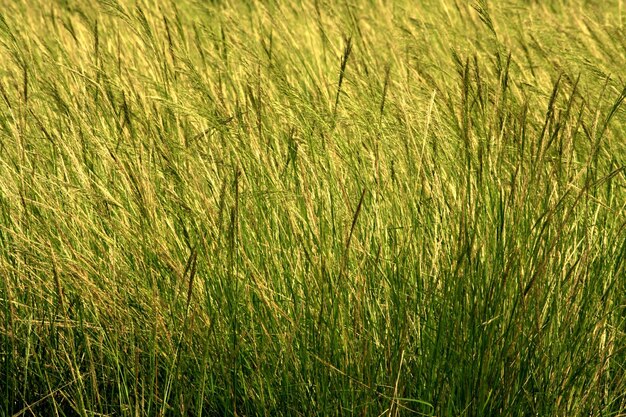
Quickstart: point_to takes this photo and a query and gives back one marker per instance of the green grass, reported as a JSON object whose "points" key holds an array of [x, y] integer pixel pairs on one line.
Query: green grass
{"points": [[315, 208]]}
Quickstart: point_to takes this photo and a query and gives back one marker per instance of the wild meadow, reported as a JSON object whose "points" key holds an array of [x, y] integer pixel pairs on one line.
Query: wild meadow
{"points": [[312, 208]]}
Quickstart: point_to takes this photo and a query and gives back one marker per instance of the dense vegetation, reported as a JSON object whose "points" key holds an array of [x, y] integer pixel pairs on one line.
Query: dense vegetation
{"points": [[312, 208]]}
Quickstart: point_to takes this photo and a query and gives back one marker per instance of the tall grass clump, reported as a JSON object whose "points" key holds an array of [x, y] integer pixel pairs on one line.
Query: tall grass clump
{"points": [[312, 208]]}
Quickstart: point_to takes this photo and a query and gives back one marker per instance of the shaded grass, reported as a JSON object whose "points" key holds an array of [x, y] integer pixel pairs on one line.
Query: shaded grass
{"points": [[272, 209]]}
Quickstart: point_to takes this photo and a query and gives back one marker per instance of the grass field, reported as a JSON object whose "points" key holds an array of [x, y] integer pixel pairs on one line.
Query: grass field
{"points": [[312, 208]]}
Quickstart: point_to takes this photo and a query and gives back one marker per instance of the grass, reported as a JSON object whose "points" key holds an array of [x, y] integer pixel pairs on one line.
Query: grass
{"points": [[313, 208]]}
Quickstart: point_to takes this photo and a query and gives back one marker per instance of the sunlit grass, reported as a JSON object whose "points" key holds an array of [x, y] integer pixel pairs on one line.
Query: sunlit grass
{"points": [[314, 208]]}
